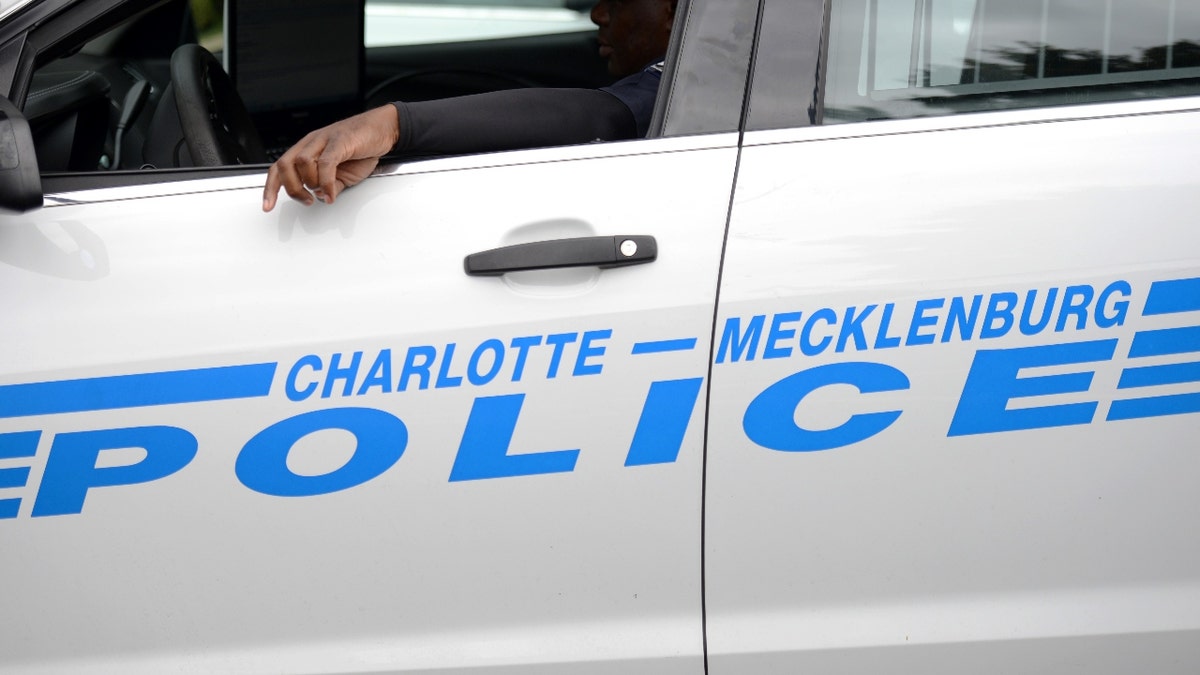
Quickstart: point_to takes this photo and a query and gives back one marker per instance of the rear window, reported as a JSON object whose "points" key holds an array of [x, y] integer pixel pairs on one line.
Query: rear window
{"points": [[909, 58]]}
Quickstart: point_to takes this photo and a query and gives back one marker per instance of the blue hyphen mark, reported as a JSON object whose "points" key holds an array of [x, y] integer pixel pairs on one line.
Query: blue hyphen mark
{"points": [[660, 346], [1166, 297], [135, 391]]}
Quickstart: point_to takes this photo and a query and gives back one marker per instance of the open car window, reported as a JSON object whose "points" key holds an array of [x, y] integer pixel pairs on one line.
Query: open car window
{"points": [[392, 23], [104, 107]]}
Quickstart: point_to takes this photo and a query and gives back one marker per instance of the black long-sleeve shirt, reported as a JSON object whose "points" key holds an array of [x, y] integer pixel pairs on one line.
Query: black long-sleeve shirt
{"points": [[528, 118]]}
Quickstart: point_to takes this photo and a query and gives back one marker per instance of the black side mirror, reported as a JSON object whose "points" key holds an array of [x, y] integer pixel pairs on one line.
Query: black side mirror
{"points": [[20, 182]]}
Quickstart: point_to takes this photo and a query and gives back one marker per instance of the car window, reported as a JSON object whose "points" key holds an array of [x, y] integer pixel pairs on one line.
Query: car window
{"points": [[77, 96], [908, 58], [391, 23], [411, 22]]}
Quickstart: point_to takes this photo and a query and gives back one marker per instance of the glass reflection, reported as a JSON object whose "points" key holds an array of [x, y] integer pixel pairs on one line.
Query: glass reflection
{"points": [[905, 58]]}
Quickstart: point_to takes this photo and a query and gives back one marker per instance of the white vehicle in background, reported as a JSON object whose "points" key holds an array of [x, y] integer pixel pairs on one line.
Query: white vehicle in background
{"points": [[408, 22], [878, 354]]}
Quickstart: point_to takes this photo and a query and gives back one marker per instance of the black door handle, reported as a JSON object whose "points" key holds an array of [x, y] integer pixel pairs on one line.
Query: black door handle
{"points": [[616, 251]]}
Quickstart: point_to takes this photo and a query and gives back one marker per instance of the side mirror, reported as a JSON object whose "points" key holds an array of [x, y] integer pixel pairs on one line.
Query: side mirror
{"points": [[20, 182]]}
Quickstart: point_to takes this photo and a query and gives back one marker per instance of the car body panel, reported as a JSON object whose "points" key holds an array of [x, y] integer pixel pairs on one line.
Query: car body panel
{"points": [[893, 394], [11, 7], [432, 564], [927, 505]]}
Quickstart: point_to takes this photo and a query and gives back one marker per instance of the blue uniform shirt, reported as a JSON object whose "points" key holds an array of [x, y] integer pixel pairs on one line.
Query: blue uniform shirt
{"points": [[638, 92]]}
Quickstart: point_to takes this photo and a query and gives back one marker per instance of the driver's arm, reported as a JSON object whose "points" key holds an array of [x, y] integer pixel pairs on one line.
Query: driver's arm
{"points": [[333, 158], [340, 155], [512, 119]]}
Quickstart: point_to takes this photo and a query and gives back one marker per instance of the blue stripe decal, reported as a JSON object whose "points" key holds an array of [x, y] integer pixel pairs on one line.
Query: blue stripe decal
{"points": [[14, 477], [19, 444], [1164, 342], [1156, 406], [9, 508], [1152, 376], [135, 391], [1173, 297], [661, 346]]}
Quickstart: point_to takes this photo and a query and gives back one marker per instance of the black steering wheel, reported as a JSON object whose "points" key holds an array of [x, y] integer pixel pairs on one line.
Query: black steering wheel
{"points": [[216, 127]]}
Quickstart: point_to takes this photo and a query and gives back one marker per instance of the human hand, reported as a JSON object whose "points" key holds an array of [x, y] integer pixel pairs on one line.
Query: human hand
{"points": [[333, 158]]}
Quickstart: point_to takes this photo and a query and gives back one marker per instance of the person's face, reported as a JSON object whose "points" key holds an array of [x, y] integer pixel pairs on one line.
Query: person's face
{"points": [[633, 33]]}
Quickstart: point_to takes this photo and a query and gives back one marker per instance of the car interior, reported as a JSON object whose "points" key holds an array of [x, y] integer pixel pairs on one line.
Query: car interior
{"points": [[168, 87]]}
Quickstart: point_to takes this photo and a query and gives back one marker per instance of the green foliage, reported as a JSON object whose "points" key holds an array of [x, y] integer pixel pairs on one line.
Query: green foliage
{"points": [[207, 14]]}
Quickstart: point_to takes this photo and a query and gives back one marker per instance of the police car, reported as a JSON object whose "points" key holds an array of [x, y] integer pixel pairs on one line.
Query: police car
{"points": [[905, 377]]}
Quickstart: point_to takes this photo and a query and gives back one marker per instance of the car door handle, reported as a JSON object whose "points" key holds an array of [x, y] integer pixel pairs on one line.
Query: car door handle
{"points": [[615, 251]]}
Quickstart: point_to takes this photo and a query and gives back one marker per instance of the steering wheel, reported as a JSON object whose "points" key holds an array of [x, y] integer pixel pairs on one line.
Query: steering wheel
{"points": [[216, 127]]}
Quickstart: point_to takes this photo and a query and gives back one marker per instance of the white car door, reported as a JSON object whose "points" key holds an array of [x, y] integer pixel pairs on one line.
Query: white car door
{"points": [[954, 414], [308, 441]]}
